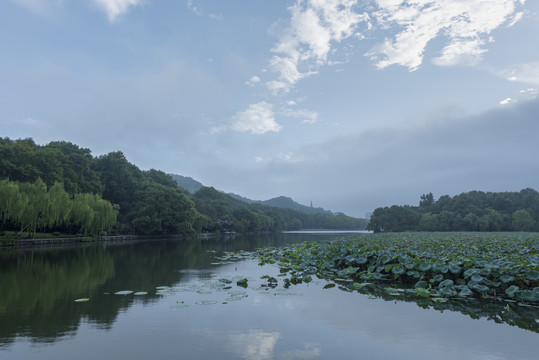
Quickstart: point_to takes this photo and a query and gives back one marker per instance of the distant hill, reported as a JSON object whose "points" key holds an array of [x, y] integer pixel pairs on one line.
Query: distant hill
{"points": [[284, 203], [288, 203], [241, 198], [187, 183]]}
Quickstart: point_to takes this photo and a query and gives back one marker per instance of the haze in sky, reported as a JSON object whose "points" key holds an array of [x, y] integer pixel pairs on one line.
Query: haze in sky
{"points": [[350, 104]]}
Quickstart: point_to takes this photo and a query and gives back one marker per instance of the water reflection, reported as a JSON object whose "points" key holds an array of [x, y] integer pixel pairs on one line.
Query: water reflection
{"points": [[38, 288]]}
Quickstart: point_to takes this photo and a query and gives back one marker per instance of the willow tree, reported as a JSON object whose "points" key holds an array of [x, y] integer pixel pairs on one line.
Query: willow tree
{"points": [[91, 214], [12, 204], [104, 215], [58, 206], [82, 213], [34, 213]]}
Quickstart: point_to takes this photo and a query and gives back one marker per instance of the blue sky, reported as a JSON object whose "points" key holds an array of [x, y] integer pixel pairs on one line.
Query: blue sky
{"points": [[349, 104]]}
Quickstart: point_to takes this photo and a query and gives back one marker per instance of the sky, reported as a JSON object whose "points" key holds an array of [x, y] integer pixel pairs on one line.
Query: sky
{"points": [[348, 104]]}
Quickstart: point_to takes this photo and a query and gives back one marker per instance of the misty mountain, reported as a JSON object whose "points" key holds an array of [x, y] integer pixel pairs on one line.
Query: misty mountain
{"points": [[187, 183], [283, 202]]}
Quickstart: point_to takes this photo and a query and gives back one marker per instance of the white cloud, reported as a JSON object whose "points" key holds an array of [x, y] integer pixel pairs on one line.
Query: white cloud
{"points": [[307, 116], [289, 158], [525, 73], [115, 8], [253, 81], [306, 43], [200, 12], [465, 52], [466, 23], [258, 119], [506, 101], [316, 26]]}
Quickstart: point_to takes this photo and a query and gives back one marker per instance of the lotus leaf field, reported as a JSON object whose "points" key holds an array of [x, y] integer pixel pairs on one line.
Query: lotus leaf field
{"points": [[437, 267]]}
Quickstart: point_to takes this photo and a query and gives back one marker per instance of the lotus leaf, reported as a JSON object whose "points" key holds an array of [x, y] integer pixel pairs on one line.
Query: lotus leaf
{"points": [[422, 292], [409, 265], [123, 292], [361, 260], [391, 291], [507, 278], [445, 283], [438, 278], [242, 282], [439, 300], [477, 278], [511, 290], [82, 300], [424, 267], [479, 288], [440, 268], [465, 291], [527, 295], [448, 291], [206, 302], [532, 275], [468, 273]]}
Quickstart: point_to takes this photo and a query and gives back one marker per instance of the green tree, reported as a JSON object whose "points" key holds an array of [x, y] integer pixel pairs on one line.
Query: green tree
{"points": [[34, 215], [12, 204], [426, 200], [523, 221], [160, 209], [58, 206]]}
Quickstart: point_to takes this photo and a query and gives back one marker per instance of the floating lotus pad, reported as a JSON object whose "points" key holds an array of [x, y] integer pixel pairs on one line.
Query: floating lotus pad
{"points": [[179, 305], [206, 302], [465, 264], [123, 292]]}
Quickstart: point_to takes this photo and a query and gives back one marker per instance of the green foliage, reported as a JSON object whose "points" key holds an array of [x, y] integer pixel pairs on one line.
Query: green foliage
{"points": [[434, 264], [472, 211], [160, 209], [256, 217], [523, 221], [25, 161], [31, 206], [108, 192]]}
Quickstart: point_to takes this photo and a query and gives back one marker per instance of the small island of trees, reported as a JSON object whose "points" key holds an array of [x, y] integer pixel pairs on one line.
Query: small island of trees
{"points": [[471, 211]]}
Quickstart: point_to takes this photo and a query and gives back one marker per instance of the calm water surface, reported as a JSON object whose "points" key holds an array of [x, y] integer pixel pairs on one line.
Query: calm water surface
{"points": [[190, 310]]}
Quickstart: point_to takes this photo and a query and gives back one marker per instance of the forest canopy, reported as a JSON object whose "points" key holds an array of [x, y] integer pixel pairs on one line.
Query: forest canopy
{"points": [[471, 211], [140, 202]]}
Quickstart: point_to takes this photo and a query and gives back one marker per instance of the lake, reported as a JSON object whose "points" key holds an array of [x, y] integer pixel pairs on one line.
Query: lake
{"points": [[182, 299]]}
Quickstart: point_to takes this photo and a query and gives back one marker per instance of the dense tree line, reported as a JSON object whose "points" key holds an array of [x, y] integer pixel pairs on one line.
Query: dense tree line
{"points": [[146, 202], [257, 217], [472, 211]]}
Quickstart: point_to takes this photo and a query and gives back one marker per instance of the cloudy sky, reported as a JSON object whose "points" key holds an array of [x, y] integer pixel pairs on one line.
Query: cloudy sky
{"points": [[350, 104]]}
